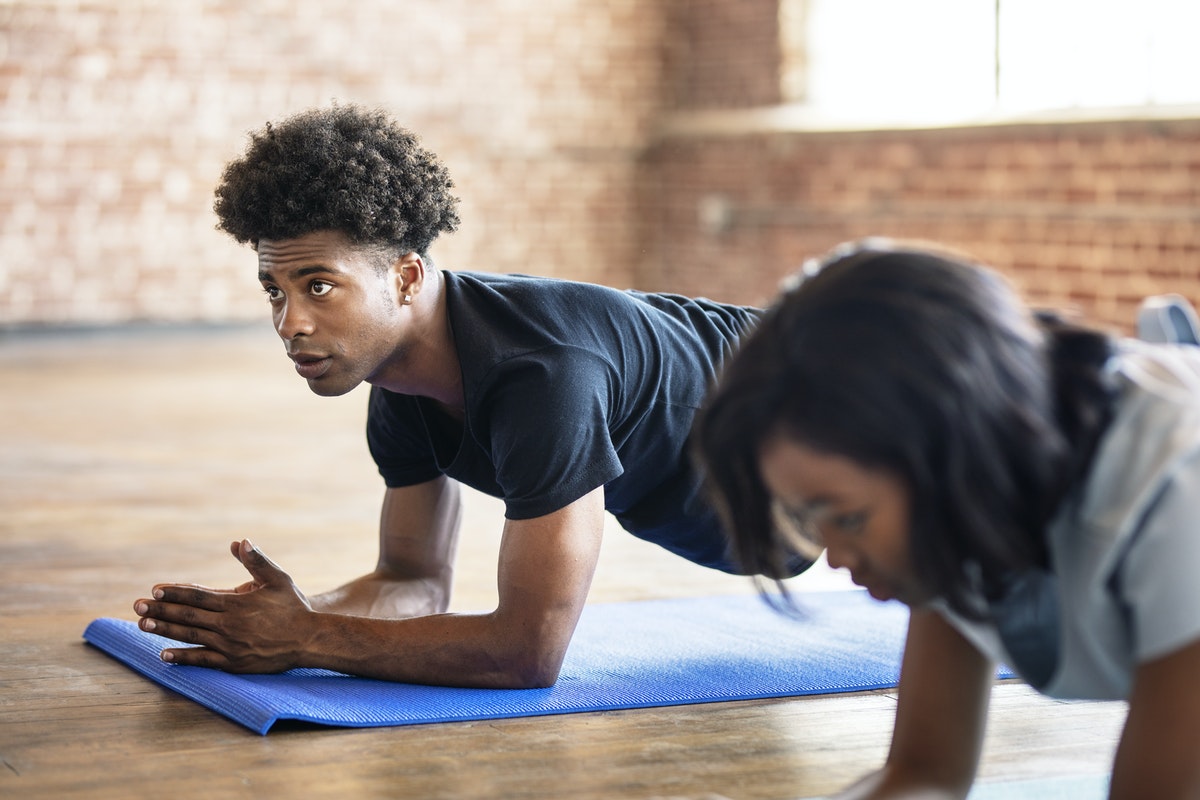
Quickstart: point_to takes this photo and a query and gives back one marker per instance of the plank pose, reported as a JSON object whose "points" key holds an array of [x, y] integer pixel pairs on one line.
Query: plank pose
{"points": [[565, 399], [1030, 488]]}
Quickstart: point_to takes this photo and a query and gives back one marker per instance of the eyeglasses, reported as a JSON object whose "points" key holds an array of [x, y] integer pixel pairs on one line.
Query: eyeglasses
{"points": [[798, 531]]}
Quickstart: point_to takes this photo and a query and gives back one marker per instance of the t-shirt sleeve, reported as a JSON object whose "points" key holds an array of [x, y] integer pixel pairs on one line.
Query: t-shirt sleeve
{"points": [[547, 429], [1160, 575], [398, 441]]}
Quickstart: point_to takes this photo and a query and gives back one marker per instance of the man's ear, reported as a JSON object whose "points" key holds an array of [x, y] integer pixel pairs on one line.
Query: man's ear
{"points": [[408, 276]]}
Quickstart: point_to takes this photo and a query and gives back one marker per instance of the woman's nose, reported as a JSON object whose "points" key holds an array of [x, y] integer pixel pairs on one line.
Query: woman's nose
{"points": [[841, 556]]}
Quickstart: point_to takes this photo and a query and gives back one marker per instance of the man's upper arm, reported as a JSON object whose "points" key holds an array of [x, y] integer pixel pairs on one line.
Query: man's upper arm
{"points": [[547, 429], [418, 529], [545, 572]]}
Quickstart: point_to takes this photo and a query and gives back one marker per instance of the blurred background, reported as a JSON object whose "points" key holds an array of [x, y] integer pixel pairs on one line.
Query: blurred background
{"points": [[699, 146]]}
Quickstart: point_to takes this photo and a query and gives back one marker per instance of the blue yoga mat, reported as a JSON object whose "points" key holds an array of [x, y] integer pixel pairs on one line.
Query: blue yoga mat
{"points": [[1073, 787], [623, 655]]}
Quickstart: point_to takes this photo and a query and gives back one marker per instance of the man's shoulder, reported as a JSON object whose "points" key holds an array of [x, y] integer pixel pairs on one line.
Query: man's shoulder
{"points": [[514, 285], [511, 312], [510, 284], [496, 317]]}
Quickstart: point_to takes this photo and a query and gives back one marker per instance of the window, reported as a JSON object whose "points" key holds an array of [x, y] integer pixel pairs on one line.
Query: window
{"points": [[945, 60]]}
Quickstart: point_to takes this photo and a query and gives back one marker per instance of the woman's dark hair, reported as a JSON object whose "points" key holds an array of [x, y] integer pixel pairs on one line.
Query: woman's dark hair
{"points": [[926, 366], [341, 168]]}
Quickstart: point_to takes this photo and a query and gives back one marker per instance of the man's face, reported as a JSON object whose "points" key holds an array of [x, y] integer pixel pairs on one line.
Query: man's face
{"points": [[334, 307]]}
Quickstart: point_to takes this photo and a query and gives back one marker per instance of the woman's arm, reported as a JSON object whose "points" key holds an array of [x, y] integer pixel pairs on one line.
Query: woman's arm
{"points": [[945, 686], [1159, 754]]}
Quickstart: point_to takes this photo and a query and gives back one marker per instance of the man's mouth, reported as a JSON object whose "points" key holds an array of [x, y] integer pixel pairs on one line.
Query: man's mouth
{"points": [[311, 367]]}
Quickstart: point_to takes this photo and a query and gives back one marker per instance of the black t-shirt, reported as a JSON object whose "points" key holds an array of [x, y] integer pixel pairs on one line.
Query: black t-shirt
{"points": [[570, 386]]}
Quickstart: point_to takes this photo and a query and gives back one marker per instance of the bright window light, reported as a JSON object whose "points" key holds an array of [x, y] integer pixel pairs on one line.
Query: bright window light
{"points": [[887, 59], [1097, 53], [941, 60]]}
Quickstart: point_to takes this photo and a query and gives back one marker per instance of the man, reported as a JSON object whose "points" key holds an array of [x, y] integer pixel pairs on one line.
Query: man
{"points": [[566, 400]]}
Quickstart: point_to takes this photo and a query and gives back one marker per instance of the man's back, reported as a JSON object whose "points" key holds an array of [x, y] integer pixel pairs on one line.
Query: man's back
{"points": [[570, 386]]}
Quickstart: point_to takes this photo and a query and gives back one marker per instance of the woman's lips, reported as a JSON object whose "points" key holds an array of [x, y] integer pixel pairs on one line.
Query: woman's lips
{"points": [[878, 590]]}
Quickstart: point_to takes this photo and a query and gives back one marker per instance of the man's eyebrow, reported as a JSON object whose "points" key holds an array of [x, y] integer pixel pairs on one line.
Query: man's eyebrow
{"points": [[300, 272]]}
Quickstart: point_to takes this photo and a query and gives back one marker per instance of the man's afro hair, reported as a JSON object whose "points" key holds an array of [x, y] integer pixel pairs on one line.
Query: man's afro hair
{"points": [[340, 168]]}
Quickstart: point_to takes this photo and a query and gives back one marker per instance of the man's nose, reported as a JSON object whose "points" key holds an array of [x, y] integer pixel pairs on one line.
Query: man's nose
{"points": [[293, 320]]}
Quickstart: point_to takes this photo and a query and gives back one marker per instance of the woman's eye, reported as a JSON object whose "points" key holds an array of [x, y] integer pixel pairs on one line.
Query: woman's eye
{"points": [[852, 522], [320, 288], [798, 530]]}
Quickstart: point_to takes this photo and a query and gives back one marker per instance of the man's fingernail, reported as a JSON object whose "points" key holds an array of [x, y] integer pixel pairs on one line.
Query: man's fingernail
{"points": [[148, 625], [141, 608], [158, 594], [167, 655]]}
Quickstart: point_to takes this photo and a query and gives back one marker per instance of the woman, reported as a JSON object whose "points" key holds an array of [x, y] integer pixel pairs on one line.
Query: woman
{"points": [[1031, 489]]}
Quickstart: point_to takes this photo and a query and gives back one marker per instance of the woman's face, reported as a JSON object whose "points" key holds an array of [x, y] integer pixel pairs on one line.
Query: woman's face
{"points": [[860, 515]]}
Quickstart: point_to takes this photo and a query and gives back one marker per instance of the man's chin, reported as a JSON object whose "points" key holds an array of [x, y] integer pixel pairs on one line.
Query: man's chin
{"points": [[325, 387]]}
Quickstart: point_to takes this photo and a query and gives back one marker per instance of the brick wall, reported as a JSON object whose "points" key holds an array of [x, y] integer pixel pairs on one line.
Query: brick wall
{"points": [[559, 120], [116, 117], [722, 54], [1088, 216]]}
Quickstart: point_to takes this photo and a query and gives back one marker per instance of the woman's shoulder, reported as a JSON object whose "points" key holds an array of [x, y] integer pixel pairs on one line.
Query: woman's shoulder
{"points": [[1166, 375], [1155, 431]]}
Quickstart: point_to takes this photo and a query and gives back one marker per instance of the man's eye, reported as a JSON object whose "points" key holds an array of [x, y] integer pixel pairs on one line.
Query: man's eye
{"points": [[320, 288], [272, 293]]}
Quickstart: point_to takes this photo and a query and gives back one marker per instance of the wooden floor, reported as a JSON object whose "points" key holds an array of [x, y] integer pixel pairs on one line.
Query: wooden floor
{"points": [[132, 457]]}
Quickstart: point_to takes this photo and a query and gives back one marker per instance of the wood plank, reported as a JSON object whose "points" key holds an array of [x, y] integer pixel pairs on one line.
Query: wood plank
{"points": [[131, 457]]}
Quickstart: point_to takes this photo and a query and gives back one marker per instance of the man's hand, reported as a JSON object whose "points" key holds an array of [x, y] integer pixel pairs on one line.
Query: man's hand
{"points": [[259, 626], [267, 625]]}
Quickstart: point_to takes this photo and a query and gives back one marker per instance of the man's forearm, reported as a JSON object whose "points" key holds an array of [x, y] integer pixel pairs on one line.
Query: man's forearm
{"points": [[267, 625], [386, 597], [469, 650]]}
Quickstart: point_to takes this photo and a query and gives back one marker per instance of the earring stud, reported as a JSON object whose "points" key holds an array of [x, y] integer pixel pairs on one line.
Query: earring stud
{"points": [[407, 299]]}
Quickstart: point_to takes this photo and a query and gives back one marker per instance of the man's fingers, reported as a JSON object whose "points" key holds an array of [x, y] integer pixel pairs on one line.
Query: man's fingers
{"points": [[190, 632], [195, 657], [258, 565], [190, 616], [190, 595]]}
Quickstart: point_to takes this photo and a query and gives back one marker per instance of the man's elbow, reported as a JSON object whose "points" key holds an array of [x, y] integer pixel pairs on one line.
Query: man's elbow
{"points": [[528, 664], [526, 650], [534, 671]]}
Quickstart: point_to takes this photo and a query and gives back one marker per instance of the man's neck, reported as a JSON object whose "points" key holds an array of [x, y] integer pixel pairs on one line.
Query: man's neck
{"points": [[426, 365]]}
